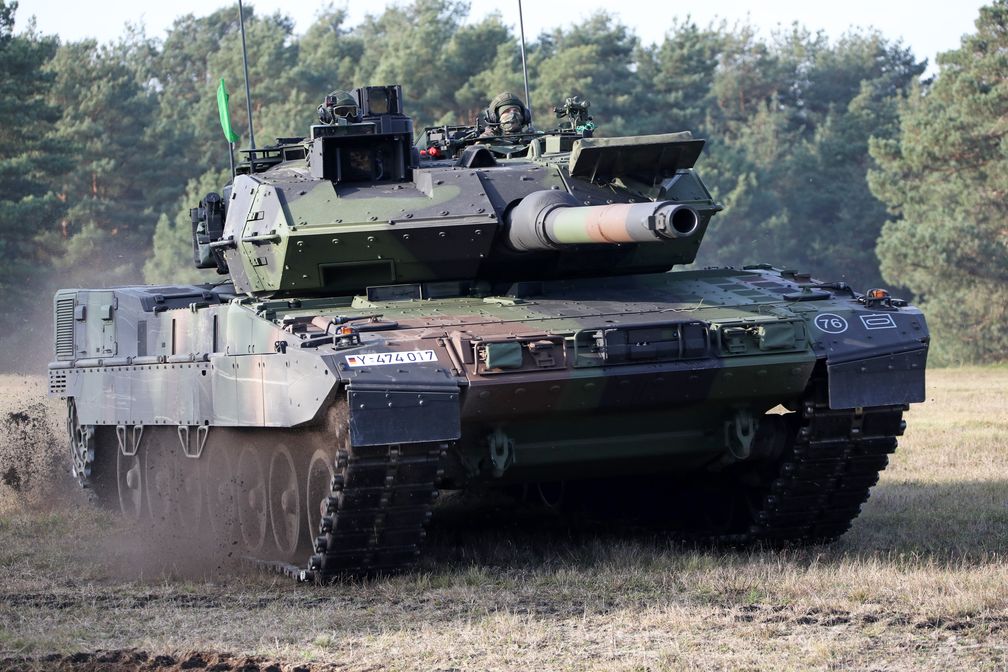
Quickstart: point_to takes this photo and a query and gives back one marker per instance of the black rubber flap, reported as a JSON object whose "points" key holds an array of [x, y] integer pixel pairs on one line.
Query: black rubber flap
{"points": [[878, 381], [379, 417]]}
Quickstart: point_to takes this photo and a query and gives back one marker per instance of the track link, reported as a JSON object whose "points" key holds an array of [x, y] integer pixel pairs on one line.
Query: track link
{"points": [[834, 459]]}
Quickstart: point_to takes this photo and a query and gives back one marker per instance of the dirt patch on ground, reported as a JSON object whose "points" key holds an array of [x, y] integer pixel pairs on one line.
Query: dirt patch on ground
{"points": [[132, 660]]}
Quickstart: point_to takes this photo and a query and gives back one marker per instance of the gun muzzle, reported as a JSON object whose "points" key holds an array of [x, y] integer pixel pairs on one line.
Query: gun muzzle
{"points": [[550, 220]]}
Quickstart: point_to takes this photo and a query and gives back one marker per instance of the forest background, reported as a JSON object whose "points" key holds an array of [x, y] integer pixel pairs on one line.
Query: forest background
{"points": [[831, 156]]}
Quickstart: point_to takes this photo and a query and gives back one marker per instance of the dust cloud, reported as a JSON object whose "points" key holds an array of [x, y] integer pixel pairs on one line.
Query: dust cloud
{"points": [[35, 465], [36, 485]]}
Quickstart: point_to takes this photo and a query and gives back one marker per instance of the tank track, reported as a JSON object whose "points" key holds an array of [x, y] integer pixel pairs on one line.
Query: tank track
{"points": [[834, 459], [374, 517]]}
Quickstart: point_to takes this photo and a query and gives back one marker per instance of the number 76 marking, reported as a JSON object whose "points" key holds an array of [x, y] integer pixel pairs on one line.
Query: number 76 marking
{"points": [[830, 323]]}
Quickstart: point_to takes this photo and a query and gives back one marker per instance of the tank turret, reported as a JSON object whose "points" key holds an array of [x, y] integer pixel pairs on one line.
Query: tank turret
{"points": [[355, 204]]}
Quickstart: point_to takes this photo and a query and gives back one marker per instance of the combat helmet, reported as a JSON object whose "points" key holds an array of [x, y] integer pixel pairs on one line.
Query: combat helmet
{"points": [[338, 105], [505, 99]]}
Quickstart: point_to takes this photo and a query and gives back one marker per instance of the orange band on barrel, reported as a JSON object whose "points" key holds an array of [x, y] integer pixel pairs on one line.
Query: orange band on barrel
{"points": [[607, 223]]}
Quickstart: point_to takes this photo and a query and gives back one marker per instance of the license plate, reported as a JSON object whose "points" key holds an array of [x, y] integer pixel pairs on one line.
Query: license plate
{"points": [[385, 358]]}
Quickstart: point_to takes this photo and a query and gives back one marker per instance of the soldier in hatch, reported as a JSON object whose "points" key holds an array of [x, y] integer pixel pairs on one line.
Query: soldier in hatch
{"points": [[505, 115], [338, 107]]}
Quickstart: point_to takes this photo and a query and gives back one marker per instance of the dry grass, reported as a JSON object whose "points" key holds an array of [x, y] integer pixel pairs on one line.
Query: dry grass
{"points": [[920, 582]]}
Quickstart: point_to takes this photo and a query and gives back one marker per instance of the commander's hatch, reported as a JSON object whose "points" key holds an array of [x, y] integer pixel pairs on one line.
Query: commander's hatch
{"points": [[648, 159]]}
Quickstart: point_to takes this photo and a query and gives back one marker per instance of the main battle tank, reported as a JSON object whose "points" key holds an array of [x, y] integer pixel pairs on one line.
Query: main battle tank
{"points": [[475, 308]]}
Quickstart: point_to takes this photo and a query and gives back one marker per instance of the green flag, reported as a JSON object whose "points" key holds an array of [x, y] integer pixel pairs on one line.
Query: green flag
{"points": [[225, 116]]}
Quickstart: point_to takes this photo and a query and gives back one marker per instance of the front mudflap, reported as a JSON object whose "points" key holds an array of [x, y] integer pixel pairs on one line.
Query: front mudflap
{"points": [[874, 357], [415, 402], [877, 381], [383, 415]]}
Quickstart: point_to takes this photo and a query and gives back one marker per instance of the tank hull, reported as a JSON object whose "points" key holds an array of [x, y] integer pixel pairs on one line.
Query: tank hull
{"points": [[470, 311], [712, 373]]}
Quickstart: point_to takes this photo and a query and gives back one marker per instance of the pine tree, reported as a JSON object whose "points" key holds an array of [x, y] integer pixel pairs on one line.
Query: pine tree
{"points": [[31, 162], [945, 180], [113, 190], [172, 259], [596, 60], [789, 151]]}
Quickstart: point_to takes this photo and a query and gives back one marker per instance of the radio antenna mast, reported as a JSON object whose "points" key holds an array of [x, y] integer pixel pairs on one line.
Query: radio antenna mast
{"points": [[248, 91], [521, 27]]}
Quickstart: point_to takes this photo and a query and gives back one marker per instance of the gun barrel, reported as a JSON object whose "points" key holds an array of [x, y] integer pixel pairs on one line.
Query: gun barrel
{"points": [[550, 220]]}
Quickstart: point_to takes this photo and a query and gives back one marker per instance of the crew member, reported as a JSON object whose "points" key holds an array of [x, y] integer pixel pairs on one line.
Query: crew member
{"points": [[339, 106], [505, 115]]}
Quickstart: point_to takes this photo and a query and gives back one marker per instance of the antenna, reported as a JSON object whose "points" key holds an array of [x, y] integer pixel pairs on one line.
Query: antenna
{"points": [[521, 26], [248, 92]]}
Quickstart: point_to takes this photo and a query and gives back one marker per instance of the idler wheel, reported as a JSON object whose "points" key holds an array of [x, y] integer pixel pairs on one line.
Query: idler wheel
{"points": [[82, 445], [284, 501], [253, 512]]}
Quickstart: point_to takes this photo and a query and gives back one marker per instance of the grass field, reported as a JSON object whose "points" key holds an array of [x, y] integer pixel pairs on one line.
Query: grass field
{"points": [[920, 582]]}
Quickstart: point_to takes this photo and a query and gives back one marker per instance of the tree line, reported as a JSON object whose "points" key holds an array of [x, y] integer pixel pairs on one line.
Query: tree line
{"points": [[831, 156]]}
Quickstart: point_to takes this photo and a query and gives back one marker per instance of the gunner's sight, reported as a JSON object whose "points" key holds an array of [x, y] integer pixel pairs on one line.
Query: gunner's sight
{"points": [[364, 137]]}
